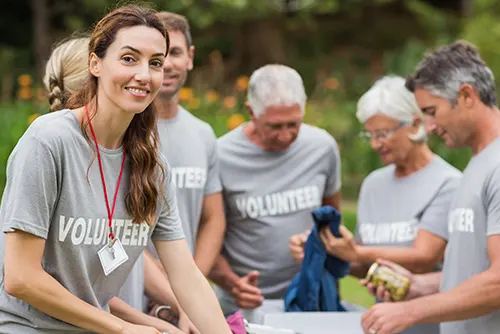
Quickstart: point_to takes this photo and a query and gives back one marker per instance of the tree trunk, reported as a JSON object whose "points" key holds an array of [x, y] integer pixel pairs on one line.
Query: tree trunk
{"points": [[40, 34]]}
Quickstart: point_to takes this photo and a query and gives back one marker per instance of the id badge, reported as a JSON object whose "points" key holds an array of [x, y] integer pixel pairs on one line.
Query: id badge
{"points": [[112, 257]]}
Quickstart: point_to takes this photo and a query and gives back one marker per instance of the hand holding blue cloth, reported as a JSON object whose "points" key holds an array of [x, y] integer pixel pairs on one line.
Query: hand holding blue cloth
{"points": [[314, 288]]}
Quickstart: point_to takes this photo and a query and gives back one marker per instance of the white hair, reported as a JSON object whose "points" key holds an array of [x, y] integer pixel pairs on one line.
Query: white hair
{"points": [[275, 85], [390, 97]]}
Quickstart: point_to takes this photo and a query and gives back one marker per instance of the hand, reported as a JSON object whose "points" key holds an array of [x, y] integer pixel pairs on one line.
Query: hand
{"points": [[416, 283], [388, 318], [344, 248], [296, 245], [138, 329], [246, 293], [185, 324]]}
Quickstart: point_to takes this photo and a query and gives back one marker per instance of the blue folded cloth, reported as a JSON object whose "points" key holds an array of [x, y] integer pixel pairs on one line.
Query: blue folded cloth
{"points": [[314, 288]]}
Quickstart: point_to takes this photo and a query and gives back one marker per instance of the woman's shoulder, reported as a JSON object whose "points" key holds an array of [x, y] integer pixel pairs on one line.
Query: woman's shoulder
{"points": [[54, 128]]}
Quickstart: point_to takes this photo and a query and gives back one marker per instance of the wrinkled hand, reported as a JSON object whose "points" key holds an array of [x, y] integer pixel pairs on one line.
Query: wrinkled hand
{"points": [[296, 244], [387, 318], [344, 248], [246, 293], [138, 329], [185, 325]]}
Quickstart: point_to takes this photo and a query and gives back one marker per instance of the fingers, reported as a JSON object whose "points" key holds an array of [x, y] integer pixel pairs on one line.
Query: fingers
{"points": [[252, 277], [345, 233], [247, 300], [368, 322]]}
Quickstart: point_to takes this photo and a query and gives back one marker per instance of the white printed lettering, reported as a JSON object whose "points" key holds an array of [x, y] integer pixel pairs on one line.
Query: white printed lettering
{"points": [[189, 177], [79, 224], [388, 233], [82, 231], [279, 203], [64, 227], [461, 220]]}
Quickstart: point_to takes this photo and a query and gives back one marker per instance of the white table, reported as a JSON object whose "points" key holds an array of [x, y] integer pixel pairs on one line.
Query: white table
{"points": [[317, 322]]}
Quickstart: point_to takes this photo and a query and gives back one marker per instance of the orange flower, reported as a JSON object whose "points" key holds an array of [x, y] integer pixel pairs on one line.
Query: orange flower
{"points": [[185, 94], [24, 80], [194, 103], [25, 93], [32, 117], [234, 121], [229, 102], [331, 83], [242, 83], [211, 96]]}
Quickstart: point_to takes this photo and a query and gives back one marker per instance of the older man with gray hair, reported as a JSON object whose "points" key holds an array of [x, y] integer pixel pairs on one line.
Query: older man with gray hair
{"points": [[274, 171], [403, 206], [456, 89]]}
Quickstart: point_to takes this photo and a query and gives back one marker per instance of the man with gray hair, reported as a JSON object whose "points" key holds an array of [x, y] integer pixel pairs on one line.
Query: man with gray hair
{"points": [[274, 172], [456, 89]]}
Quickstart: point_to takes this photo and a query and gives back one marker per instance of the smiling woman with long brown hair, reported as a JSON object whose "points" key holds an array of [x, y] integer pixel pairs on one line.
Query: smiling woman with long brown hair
{"points": [[86, 190]]}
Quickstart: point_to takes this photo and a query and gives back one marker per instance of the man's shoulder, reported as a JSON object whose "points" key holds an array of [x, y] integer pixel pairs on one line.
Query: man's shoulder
{"points": [[230, 137], [311, 134]]}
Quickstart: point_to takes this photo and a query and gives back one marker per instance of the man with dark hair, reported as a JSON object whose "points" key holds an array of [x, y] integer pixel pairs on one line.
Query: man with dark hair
{"points": [[456, 90], [189, 144]]}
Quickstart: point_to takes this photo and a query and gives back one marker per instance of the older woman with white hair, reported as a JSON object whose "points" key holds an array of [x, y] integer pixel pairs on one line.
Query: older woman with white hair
{"points": [[402, 207]]}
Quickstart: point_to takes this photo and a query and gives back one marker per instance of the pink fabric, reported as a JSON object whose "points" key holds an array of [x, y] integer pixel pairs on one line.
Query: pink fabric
{"points": [[236, 323]]}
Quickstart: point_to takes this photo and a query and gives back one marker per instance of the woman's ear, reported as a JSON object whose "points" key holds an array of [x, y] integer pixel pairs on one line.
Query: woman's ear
{"points": [[418, 133], [94, 65]]}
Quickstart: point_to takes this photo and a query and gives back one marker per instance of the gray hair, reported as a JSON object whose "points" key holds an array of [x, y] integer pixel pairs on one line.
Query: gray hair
{"points": [[273, 85], [389, 96], [443, 71]]}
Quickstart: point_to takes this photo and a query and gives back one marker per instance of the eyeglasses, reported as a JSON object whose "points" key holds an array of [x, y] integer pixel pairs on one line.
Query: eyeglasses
{"points": [[378, 135]]}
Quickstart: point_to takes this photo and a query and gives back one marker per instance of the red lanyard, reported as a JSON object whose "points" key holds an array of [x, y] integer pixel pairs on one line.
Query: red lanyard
{"points": [[111, 211]]}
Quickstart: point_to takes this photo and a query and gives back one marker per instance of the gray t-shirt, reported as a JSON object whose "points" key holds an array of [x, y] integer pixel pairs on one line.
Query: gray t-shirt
{"points": [[52, 193], [189, 144], [474, 216], [391, 210], [132, 291], [269, 197]]}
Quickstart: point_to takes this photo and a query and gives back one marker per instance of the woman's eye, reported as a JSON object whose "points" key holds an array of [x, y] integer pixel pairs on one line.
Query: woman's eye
{"points": [[157, 63], [127, 59]]}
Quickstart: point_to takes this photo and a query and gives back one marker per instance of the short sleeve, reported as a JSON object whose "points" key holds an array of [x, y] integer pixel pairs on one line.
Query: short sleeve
{"points": [[213, 184], [169, 226], [492, 203], [32, 188], [435, 217], [359, 210], [333, 180]]}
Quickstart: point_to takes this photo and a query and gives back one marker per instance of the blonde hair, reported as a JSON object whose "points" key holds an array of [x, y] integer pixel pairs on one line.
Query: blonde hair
{"points": [[66, 70]]}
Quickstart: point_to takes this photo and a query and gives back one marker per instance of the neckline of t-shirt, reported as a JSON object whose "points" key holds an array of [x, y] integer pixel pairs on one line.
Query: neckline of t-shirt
{"points": [[105, 150], [173, 120], [242, 135], [434, 159], [485, 150]]}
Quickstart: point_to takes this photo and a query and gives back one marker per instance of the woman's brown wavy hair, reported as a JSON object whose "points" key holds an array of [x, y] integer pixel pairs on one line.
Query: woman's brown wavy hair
{"points": [[141, 140]]}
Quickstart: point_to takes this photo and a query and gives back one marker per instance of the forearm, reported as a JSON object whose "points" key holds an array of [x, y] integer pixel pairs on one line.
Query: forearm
{"points": [[411, 258], [198, 300], [126, 312], [222, 274], [209, 243], [475, 297], [156, 284], [50, 297], [358, 269]]}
